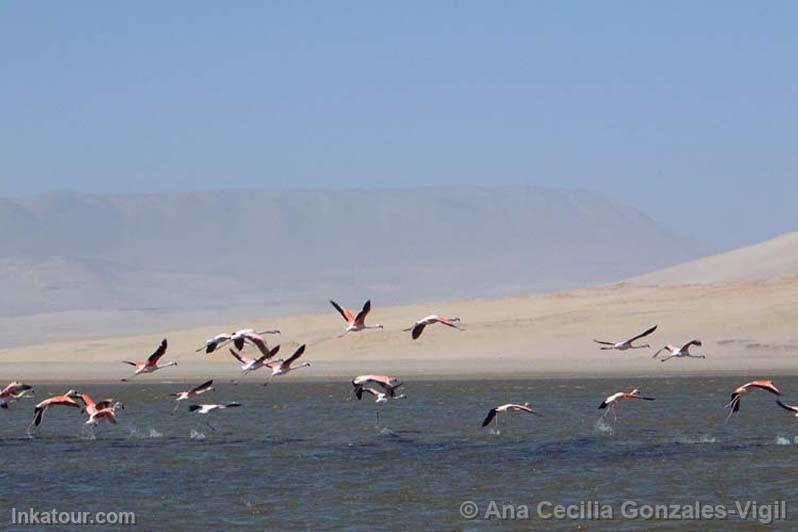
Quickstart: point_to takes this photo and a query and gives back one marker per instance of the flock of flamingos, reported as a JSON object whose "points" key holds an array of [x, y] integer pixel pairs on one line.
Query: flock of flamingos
{"points": [[382, 387]]}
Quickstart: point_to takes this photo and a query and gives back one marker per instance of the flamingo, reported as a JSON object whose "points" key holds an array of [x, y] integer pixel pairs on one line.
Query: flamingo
{"points": [[14, 391], [90, 407], [107, 413], [734, 404], [683, 351], [206, 386], [208, 408], [40, 409], [239, 337], [509, 407], [627, 344], [355, 323], [612, 401], [281, 367], [151, 364], [252, 364], [389, 384], [418, 327]]}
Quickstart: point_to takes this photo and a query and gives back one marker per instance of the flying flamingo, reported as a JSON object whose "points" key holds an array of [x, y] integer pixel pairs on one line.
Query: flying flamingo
{"points": [[612, 401], [252, 364], [627, 344], [206, 386], [107, 413], [509, 407], [151, 364], [40, 409], [355, 323], [418, 327], [207, 409], [683, 351], [387, 383], [281, 367], [14, 391], [734, 404], [91, 407], [239, 337]]}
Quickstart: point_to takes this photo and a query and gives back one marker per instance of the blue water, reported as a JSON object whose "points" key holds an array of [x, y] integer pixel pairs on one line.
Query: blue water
{"points": [[306, 456]]}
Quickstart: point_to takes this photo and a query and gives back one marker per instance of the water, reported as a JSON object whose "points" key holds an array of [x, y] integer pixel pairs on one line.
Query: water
{"points": [[304, 456]]}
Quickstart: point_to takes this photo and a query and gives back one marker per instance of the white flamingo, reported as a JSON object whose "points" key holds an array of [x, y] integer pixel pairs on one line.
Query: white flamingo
{"points": [[354, 322], [418, 327], [13, 392], [493, 413], [680, 352], [627, 344], [151, 364], [736, 396], [612, 401]]}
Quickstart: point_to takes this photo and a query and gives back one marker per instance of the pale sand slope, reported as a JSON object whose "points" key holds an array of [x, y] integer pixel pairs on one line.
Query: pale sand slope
{"points": [[748, 328], [771, 259]]}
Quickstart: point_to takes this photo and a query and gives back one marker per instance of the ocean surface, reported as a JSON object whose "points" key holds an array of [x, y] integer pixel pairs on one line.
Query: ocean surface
{"points": [[307, 456]]}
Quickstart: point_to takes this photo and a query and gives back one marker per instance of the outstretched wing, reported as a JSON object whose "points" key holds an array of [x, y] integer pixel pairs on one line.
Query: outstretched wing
{"points": [[643, 334], [206, 384], [417, 330], [686, 346], [489, 417], [345, 313], [603, 342], [296, 355], [361, 316], [161, 351], [792, 409]]}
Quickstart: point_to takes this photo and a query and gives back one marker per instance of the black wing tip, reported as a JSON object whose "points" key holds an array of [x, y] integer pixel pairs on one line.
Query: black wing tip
{"points": [[602, 405], [194, 408], [489, 417]]}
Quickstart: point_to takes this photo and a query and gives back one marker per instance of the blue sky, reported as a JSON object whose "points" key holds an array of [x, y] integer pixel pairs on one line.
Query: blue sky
{"points": [[686, 110]]}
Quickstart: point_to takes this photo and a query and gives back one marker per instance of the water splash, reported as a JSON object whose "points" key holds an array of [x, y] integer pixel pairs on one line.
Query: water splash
{"points": [[604, 427], [134, 432], [494, 432], [781, 440], [197, 435]]}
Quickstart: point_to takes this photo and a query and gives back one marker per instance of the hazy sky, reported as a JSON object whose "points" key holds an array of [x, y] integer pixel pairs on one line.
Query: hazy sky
{"points": [[687, 110]]}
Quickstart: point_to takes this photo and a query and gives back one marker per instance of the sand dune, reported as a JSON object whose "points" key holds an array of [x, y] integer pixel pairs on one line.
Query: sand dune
{"points": [[768, 260], [747, 328]]}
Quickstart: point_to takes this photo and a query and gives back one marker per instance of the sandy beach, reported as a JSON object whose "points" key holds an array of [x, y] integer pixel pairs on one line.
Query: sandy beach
{"points": [[748, 328]]}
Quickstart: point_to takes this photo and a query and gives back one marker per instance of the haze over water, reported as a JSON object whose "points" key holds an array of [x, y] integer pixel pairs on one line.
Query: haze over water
{"points": [[304, 455]]}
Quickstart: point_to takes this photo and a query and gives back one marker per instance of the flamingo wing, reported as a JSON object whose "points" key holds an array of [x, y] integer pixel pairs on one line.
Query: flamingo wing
{"points": [[643, 334], [158, 353], [764, 385], [686, 346], [602, 342], [201, 387], [345, 313], [361, 316], [238, 356], [258, 341], [296, 355], [417, 330], [489, 417]]}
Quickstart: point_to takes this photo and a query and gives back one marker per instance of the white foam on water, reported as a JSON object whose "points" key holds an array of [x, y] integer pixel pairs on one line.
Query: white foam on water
{"points": [[196, 435], [495, 432], [700, 438], [602, 426], [781, 440]]}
